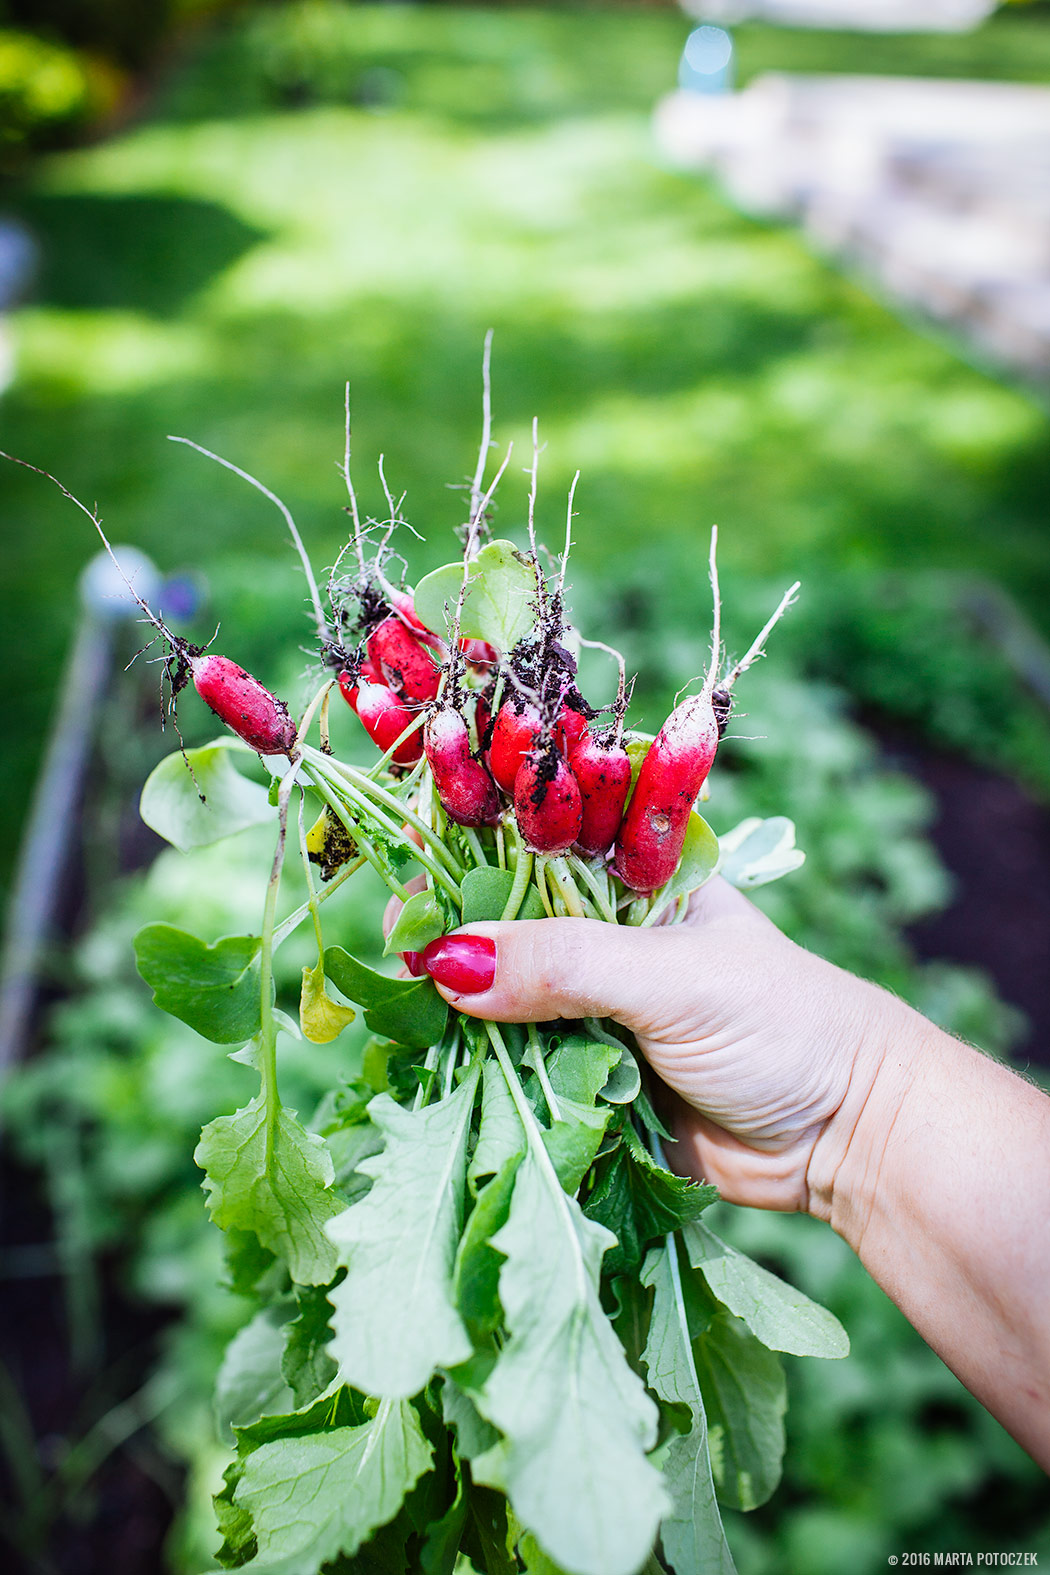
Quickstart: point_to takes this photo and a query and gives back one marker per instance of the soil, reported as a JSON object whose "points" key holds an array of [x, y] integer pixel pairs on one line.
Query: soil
{"points": [[995, 841]]}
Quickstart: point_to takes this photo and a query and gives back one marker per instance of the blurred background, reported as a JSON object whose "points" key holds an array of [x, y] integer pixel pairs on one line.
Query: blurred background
{"points": [[779, 265]]}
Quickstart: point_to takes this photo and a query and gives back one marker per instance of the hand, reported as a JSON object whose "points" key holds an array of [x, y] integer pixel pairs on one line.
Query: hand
{"points": [[756, 1039]]}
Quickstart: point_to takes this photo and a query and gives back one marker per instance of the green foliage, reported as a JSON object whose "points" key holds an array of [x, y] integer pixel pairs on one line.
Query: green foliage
{"points": [[215, 989], [408, 1010], [197, 797], [274, 1181], [499, 605]]}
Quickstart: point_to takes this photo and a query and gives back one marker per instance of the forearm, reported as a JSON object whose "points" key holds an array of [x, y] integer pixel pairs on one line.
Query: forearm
{"points": [[936, 1170]]}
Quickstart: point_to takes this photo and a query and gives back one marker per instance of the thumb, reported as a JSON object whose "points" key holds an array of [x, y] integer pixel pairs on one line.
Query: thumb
{"points": [[534, 970]]}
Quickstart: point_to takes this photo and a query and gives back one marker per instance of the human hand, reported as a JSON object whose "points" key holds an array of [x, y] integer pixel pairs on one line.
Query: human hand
{"points": [[757, 1040]]}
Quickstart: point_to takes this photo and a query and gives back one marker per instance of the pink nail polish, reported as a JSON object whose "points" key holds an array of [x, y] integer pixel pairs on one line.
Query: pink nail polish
{"points": [[464, 963], [413, 961]]}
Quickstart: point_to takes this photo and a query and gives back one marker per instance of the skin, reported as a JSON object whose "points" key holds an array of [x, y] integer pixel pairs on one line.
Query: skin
{"points": [[793, 1085]]}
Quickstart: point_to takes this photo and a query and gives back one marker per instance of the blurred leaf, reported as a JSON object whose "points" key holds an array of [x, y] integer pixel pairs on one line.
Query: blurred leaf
{"points": [[215, 989], [171, 802], [759, 851]]}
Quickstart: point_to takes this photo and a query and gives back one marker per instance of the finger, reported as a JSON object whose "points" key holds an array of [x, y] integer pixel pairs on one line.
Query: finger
{"points": [[539, 969]]}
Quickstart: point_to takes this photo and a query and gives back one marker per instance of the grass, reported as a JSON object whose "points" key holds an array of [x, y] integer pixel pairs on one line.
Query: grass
{"points": [[322, 191]]}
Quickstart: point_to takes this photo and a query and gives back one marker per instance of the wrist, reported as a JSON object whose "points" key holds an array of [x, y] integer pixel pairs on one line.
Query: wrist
{"points": [[851, 1163]]}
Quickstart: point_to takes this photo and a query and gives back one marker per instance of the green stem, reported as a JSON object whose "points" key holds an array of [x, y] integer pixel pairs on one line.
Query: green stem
{"points": [[353, 829], [598, 889], [539, 1066], [558, 872], [267, 1026], [294, 919], [522, 871], [308, 875], [501, 847], [369, 789], [319, 698], [473, 842], [540, 865], [360, 800]]}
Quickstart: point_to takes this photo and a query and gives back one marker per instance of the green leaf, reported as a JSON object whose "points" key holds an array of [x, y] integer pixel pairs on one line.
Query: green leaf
{"points": [[485, 892], [419, 922], [171, 798], [781, 1317], [409, 1011], [698, 862], [745, 1398], [215, 989], [440, 1549], [473, 1434], [500, 604], [315, 1497], [476, 1276], [284, 1195], [692, 1534], [233, 1520], [501, 1135], [395, 1315], [639, 1201], [579, 1067], [249, 1383], [574, 1139], [306, 1365], [759, 851], [576, 1419]]}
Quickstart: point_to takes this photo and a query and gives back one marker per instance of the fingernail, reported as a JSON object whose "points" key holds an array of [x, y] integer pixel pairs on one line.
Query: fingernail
{"points": [[413, 961], [464, 963]]}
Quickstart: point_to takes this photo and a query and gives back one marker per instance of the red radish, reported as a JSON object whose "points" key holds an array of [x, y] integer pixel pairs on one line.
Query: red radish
{"points": [[479, 653], [403, 603], [243, 703], [482, 716], [547, 802], [383, 716], [404, 661], [517, 728], [569, 729], [468, 794], [672, 774], [603, 772]]}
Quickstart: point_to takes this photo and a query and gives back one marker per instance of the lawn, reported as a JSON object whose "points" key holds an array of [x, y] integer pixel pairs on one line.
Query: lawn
{"points": [[320, 192]]}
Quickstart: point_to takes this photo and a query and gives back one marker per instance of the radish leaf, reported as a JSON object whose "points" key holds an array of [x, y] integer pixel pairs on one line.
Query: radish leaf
{"points": [[215, 989], [776, 1313], [692, 1534], [745, 1398], [281, 1190], [419, 922], [576, 1419], [499, 605], [171, 801], [314, 1497], [409, 1011], [395, 1317], [759, 851]]}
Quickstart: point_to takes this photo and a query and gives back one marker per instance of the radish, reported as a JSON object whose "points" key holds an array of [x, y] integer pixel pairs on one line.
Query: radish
{"points": [[516, 730], [405, 663], [405, 607], [603, 771], [547, 803], [569, 729], [468, 794], [673, 772], [384, 717], [242, 702]]}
